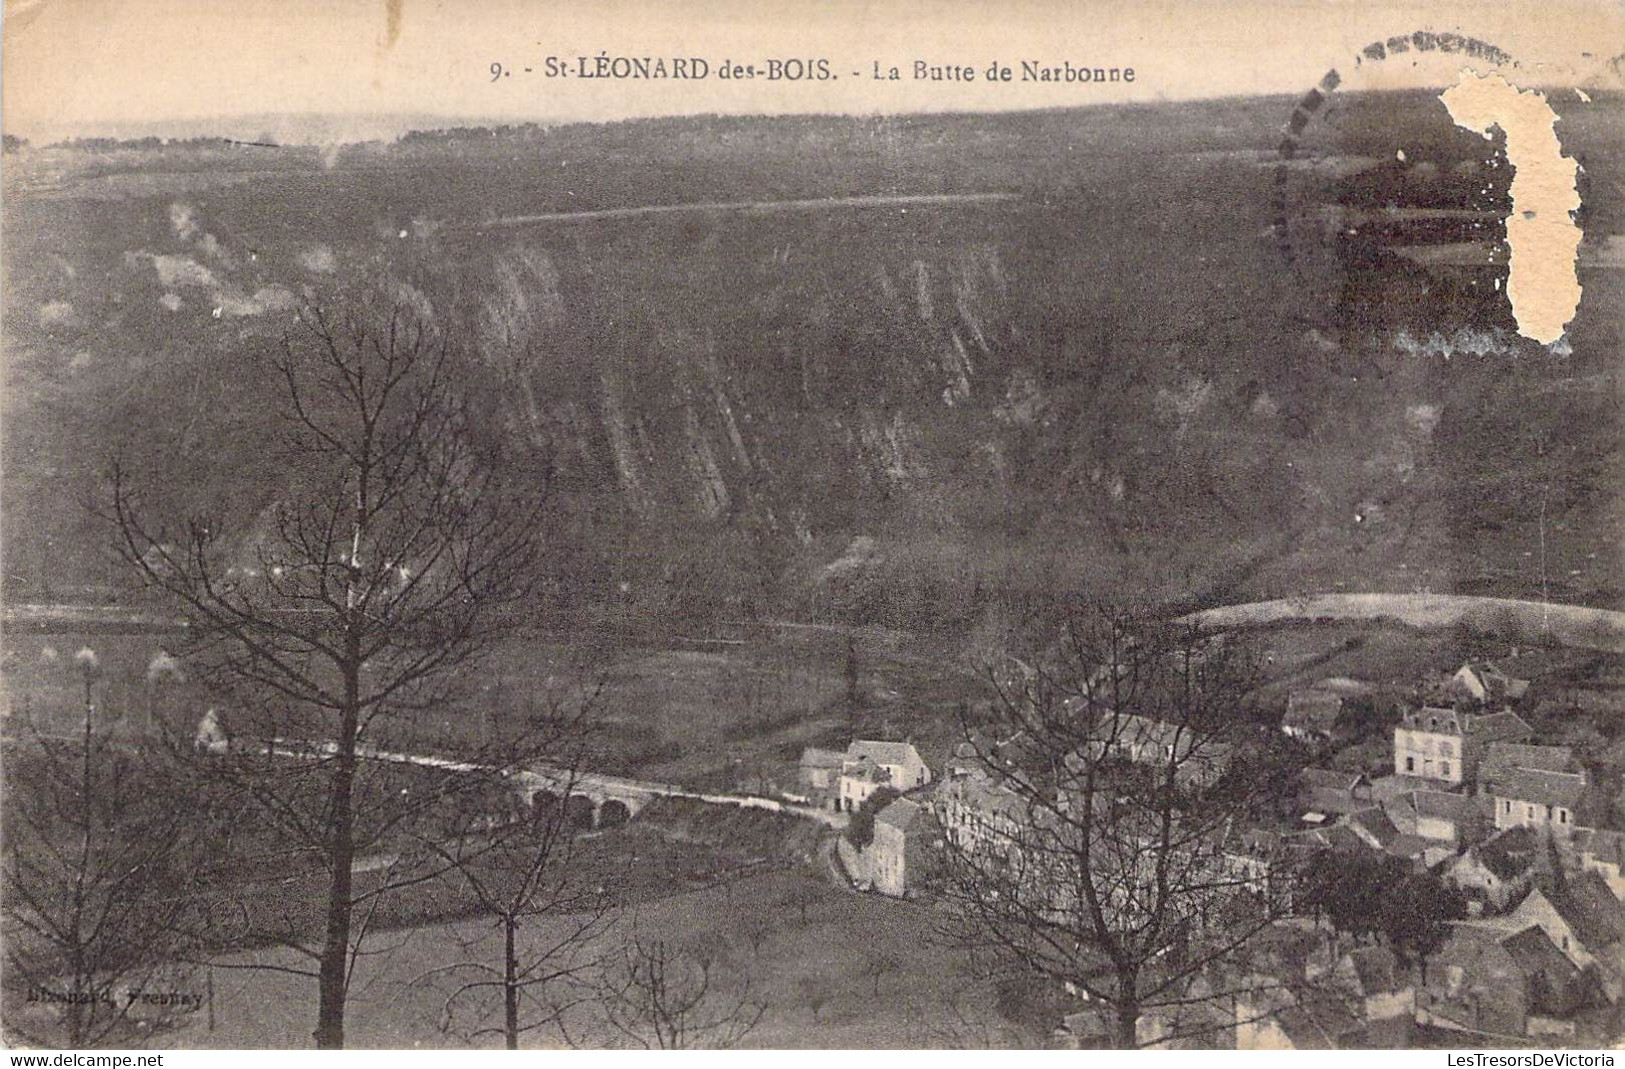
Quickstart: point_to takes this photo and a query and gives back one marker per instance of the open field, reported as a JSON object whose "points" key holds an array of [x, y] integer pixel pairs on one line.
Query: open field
{"points": [[1571, 625], [816, 971]]}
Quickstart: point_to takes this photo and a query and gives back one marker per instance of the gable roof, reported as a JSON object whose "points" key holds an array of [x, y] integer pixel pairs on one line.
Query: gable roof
{"points": [[816, 757], [1320, 1022], [865, 768], [1505, 726], [1534, 758], [1343, 837], [883, 752], [1596, 916], [901, 814], [1316, 710], [1444, 805], [1487, 679], [1408, 846], [1534, 953], [1585, 904], [1377, 824], [1544, 775]]}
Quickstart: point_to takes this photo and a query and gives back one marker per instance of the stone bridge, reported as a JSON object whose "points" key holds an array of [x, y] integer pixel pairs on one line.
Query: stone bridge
{"points": [[591, 799]]}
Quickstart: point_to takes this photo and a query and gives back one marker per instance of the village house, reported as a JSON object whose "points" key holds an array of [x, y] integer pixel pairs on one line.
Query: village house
{"points": [[1499, 870], [860, 779], [900, 759], [1498, 980], [870, 764], [1328, 792], [1271, 1018], [907, 845], [1196, 760], [1379, 983], [1445, 744], [1585, 921], [1602, 852], [1440, 818], [1311, 714], [820, 776], [1485, 684], [1373, 827], [977, 813], [1539, 786]]}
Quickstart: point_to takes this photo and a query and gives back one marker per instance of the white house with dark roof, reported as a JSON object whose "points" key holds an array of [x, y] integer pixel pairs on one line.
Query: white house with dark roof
{"points": [[1444, 744], [870, 764], [1485, 683]]}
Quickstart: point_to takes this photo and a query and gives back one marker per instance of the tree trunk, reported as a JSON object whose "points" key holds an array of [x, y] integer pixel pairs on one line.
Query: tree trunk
{"points": [[1125, 1029], [336, 947], [510, 983]]}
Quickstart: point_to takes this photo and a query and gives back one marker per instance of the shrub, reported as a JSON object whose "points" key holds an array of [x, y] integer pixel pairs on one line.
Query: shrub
{"points": [[861, 831]]}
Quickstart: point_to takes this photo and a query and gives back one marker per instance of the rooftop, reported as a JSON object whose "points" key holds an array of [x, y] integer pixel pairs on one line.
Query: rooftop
{"points": [[1538, 758], [883, 752], [1589, 907], [1315, 710], [1444, 805], [814, 757], [901, 814]]}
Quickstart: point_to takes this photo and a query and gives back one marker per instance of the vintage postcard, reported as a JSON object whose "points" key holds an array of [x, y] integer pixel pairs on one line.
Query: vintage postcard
{"points": [[753, 524]]}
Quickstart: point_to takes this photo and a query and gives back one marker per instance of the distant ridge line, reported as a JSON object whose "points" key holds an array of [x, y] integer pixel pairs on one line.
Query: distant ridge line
{"points": [[807, 204]]}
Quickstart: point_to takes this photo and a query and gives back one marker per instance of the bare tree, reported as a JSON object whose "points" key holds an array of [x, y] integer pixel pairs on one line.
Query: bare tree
{"points": [[360, 601], [661, 996], [99, 902], [1094, 845], [522, 874]]}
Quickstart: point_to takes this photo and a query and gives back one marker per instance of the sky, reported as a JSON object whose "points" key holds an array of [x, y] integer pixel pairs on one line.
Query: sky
{"points": [[130, 67]]}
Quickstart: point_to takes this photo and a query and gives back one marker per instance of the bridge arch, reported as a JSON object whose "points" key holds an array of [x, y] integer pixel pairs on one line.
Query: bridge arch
{"points": [[580, 812], [613, 813]]}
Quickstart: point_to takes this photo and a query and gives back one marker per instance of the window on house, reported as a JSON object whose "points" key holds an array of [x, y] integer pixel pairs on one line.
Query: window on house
{"points": [[1565, 944], [1410, 764], [1562, 816], [1531, 810], [1444, 768]]}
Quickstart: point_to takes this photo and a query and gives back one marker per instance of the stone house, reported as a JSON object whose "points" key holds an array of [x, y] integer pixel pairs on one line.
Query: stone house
{"points": [[1311, 714], [819, 776], [1537, 786], [860, 779], [1485, 683], [1445, 744], [1602, 852], [1196, 761], [1584, 920], [906, 848], [1500, 869], [1500, 980], [870, 764], [1332, 793]]}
